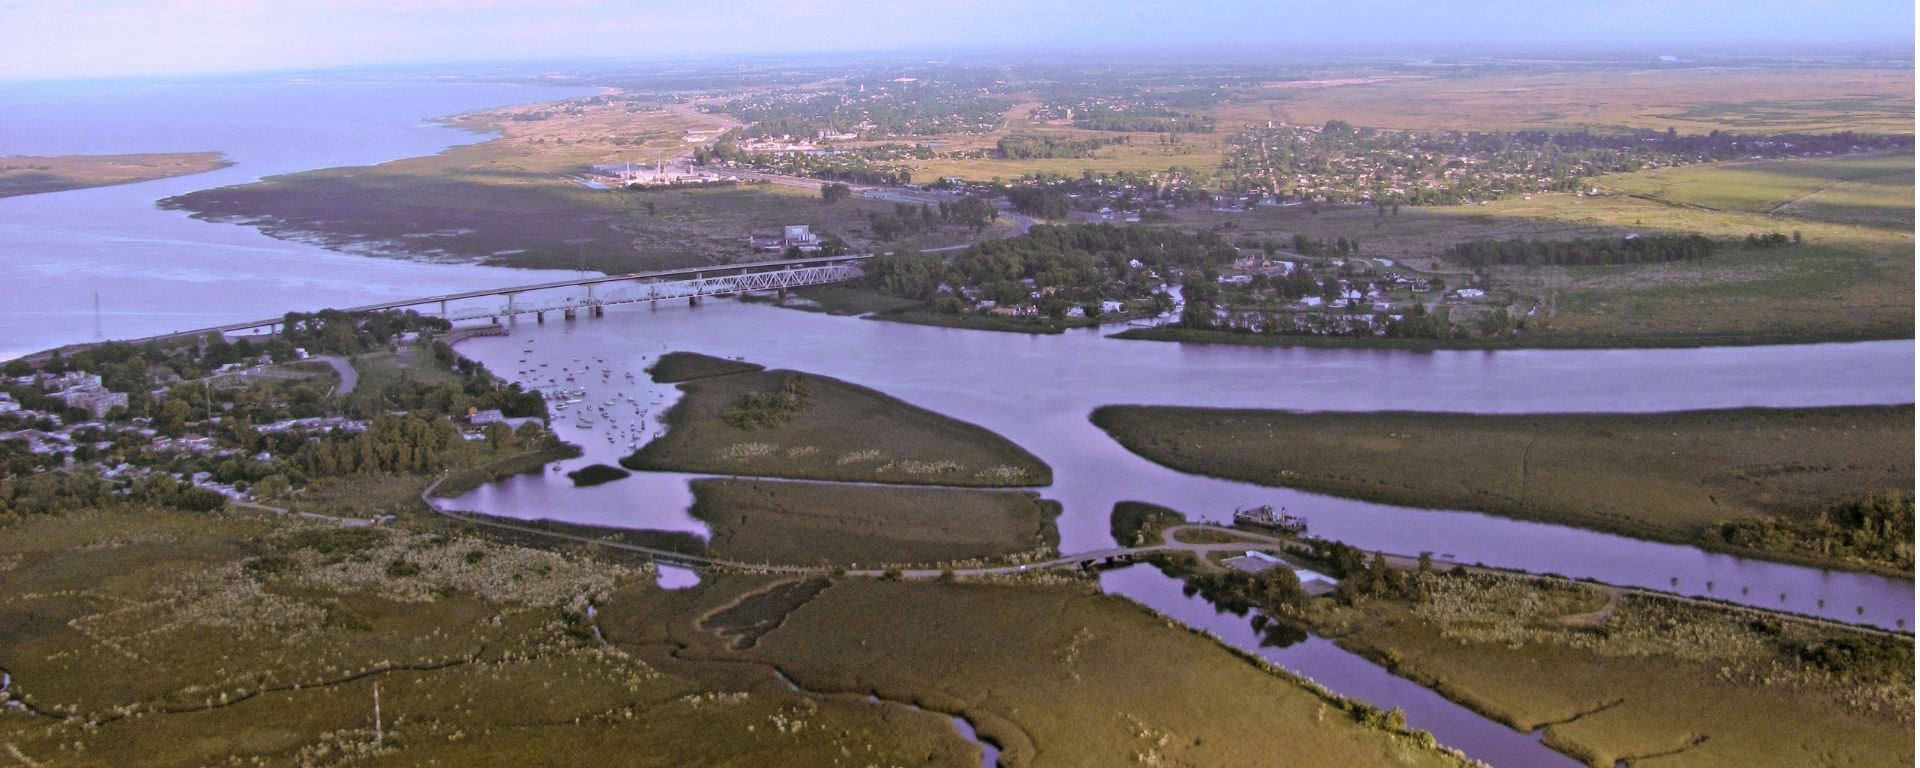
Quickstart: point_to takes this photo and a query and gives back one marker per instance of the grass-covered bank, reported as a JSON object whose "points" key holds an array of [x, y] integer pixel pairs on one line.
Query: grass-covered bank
{"points": [[460, 481], [1718, 479], [675, 367], [828, 524], [802, 426], [28, 175]]}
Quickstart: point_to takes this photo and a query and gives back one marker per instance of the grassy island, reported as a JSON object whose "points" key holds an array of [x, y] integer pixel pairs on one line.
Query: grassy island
{"points": [[821, 523], [21, 175], [1722, 479], [801, 426]]}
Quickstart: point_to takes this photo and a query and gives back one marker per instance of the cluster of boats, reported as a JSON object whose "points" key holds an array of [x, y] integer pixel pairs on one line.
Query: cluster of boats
{"points": [[562, 389]]}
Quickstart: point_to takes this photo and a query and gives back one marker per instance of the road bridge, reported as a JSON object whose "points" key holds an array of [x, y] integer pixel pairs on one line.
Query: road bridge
{"points": [[691, 284]]}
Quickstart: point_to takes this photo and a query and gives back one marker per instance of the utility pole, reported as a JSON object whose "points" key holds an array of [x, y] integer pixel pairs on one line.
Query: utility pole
{"points": [[97, 332], [378, 733]]}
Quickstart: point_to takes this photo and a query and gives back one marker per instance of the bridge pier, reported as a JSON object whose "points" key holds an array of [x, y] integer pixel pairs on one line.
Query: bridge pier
{"points": [[599, 310], [443, 309], [693, 301], [567, 313], [540, 318]]}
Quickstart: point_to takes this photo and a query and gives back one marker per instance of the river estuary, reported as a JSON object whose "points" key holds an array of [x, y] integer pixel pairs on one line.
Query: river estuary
{"points": [[157, 271]]}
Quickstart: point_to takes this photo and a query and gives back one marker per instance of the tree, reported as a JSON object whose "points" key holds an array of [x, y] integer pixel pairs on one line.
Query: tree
{"points": [[833, 192]]}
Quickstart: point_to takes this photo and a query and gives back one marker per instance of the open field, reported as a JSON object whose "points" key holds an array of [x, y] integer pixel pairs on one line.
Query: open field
{"points": [[834, 431], [1669, 476], [812, 524], [1054, 674], [1871, 190], [175, 639], [1631, 677], [1691, 100], [510, 202], [29, 175]]}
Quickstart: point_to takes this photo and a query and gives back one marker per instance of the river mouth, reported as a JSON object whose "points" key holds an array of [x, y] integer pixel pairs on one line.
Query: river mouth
{"points": [[1038, 391]]}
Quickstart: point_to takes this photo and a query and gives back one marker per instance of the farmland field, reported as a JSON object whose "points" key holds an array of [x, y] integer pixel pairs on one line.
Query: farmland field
{"points": [[1870, 190], [1691, 100]]}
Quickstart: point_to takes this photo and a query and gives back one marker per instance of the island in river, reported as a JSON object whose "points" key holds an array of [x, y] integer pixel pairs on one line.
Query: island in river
{"points": [[32, 175]]}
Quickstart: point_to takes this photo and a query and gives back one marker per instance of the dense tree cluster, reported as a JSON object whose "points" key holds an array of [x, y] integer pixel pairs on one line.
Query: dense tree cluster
{"points": [[1040, 202], [1145, 121], [1651, 249], [765, 410], [909, 219], [1770, 240], [1020, 146], [1075, 260], [1875, 529]]}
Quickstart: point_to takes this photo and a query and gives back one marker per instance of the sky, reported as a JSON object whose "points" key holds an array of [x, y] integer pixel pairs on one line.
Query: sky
{"points": [[54, 39]]}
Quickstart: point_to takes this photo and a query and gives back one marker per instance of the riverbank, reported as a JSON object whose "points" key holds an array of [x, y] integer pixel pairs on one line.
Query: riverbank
{"points": [[1523, 341], [874, 305], [1678, 477], [523, 199], [34, 175]]}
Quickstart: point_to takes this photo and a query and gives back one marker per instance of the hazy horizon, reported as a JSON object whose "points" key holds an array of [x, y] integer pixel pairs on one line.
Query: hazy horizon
{"points": [[74, 39]]}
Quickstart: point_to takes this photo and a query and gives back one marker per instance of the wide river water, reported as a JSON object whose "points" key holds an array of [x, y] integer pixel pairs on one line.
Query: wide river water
{"points": [[1039, 390], [156, 271]]}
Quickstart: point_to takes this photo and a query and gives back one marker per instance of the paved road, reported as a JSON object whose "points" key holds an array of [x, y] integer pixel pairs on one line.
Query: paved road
{"points": [[349, 377]]}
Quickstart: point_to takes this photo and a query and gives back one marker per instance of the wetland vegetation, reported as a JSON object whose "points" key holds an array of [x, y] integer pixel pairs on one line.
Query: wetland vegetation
{"points": [[1772, 483], [24, 175], [753, 423]]}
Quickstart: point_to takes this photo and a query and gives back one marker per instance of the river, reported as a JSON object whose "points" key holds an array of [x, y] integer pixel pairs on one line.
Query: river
{"points": [[156, 271], [1039, 390]]}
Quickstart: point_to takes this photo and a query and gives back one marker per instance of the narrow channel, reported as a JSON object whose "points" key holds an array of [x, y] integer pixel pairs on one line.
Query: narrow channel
{"points": [[1342, 672]]}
